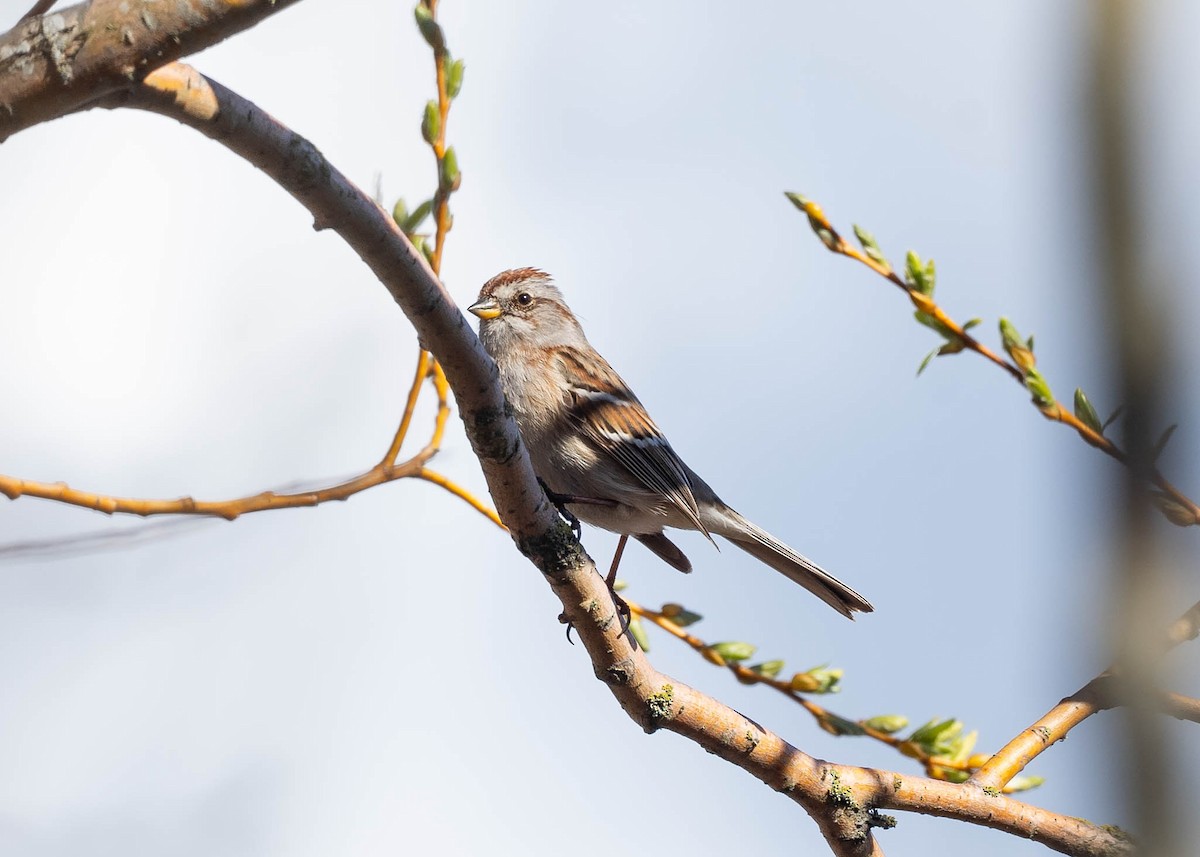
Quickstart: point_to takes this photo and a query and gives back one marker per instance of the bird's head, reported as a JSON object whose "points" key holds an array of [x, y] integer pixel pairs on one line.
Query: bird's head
{"points": [[524, 307]]}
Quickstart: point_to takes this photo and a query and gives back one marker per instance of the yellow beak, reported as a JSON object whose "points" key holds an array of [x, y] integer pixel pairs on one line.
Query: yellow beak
{"points": [[487, 308]]}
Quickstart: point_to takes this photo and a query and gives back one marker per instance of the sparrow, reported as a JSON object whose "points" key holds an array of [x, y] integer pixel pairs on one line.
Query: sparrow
{"points": [[593, 445]]}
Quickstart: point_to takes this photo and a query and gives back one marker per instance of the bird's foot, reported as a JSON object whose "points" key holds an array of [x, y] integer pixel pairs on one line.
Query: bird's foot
{"points": [[562, 617], [560, 502]]}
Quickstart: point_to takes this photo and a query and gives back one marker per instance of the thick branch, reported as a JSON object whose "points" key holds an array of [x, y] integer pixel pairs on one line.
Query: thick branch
{"points": [[182, 93], [54, 64]]}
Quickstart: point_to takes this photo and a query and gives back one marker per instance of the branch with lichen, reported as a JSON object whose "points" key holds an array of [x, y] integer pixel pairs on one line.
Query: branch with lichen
{"points": [[449, 77], [918, 284], [940, 745]]}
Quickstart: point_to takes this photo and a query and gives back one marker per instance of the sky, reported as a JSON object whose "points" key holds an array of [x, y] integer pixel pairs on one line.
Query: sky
{"points": [[387, 675]]}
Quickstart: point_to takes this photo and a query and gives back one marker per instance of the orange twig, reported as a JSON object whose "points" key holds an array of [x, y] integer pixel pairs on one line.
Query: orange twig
{"points": [[462, 493], [385, 471], [935, 766], [409, 406], [227, 509], [1189, 512]]}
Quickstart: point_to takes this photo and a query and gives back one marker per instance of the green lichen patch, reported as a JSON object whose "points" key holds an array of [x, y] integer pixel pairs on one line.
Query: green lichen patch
{"points": [[881, 821], [660, 703]]}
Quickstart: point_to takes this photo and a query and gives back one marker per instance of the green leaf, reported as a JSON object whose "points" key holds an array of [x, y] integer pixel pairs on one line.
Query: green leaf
{"points": [[770, 669], [837, 725], [798, 200], [1163, 440], [870, 245], [430, 29], [953, 775], [1020, 350], [680, 615], [400, 213], [448, 172], [421, 244], [734, 650], [414, 220], [816, 221], [687, 617], [454, 78], [1086, 413], [1008, 333], [1173, 510], [1038, 388], [887, 723], [934, 324], [639, 633], [918, 275], [431, 122], [928, 358], [938, 737], [1023, 783], [962, 747], [826, 679], [975, 322]]}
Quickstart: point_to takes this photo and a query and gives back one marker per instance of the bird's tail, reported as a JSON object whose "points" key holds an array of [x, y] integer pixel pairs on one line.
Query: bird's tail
{"points": [[767, 549]]}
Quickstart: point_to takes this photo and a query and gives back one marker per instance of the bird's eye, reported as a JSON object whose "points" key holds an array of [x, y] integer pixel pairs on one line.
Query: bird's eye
{"points": [[524, 299]]}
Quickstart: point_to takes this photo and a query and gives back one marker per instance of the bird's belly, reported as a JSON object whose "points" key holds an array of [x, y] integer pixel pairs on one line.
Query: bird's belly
{"points": [[620, 518], [574, 469]]}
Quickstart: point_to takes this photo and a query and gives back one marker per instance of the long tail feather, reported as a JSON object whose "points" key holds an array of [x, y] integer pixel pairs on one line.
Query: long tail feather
{"points": [[767, 549]]}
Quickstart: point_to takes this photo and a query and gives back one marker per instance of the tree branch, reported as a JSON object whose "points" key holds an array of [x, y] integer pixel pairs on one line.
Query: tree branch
{"points": [[841, 799], [1177, 506], [1095, 696], [54, 64]]}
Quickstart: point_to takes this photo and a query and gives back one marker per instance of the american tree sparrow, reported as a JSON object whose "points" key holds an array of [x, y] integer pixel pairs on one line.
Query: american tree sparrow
{"points": [[592, 443]]}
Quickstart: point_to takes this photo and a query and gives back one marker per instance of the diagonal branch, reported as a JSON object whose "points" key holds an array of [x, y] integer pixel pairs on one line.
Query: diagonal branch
{"points": [[1095, 696], [54, 64], [1178, 507]]}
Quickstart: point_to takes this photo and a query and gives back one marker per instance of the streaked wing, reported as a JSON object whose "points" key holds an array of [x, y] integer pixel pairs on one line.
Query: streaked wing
{"points": [[610, 417]]}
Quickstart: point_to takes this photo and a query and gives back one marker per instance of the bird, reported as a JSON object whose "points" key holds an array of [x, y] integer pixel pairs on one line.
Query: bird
{"points": [[594, 447]]}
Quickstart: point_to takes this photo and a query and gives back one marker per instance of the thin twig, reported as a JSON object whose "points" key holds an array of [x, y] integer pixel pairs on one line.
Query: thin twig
{"points": [[935, 766], [385, 471], [1055, 410]]}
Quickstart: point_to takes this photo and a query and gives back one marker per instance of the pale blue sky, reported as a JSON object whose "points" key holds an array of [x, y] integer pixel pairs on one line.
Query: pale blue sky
{"points": [[386, 676]]}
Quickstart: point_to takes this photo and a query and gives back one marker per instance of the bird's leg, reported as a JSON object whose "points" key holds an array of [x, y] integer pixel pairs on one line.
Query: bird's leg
{"points": [[622, 608], [560, 502]]}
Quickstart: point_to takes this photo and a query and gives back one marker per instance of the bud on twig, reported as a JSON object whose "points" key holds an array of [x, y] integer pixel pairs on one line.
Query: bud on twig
{"points": [[430, 29], [454, 78], [431, 123]]}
